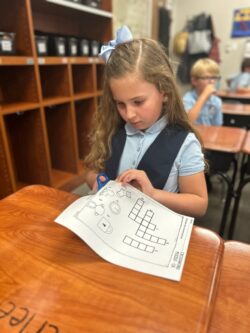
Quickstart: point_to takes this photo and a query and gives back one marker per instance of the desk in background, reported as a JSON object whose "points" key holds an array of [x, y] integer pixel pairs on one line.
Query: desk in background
{"points": [[243, 181], [236, 114], [233, 96], [222, 144], [232, 305], [53, 280]]}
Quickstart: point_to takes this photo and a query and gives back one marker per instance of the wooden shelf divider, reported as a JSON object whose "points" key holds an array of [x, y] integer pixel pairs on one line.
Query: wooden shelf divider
{"points": [[46, 103]]}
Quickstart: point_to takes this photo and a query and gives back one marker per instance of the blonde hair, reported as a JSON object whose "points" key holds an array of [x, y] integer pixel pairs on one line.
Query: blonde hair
{"points": [[149, 58], [204, 65]]}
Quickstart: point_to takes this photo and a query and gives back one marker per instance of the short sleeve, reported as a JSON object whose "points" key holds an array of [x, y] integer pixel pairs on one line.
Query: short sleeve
{"points": [[190, 157], [244, 81]]}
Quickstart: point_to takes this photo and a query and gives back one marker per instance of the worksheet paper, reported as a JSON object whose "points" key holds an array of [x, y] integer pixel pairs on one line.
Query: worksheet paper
{"points": [[128, 228]]}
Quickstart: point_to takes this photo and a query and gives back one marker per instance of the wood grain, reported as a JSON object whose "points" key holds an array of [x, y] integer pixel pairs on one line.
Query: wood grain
{"points": [[246, 145], [65, 286], [222, 138], [232, 306]]}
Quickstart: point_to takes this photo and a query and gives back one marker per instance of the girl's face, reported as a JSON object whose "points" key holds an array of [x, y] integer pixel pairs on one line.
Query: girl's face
{"points": [[138, 102]]}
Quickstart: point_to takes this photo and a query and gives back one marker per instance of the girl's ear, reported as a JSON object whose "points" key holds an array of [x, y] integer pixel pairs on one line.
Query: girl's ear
{"points": [[165, 98]]}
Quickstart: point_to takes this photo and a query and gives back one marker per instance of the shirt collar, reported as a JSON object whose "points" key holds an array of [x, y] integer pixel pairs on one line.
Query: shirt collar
{"points": [[156, 127]]}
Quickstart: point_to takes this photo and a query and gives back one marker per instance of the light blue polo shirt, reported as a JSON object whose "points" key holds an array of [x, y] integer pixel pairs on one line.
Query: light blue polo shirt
{"points": [[211, 113], [241, 80], [189, 160]]}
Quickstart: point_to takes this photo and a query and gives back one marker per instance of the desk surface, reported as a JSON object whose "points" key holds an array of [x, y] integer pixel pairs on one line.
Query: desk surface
{"points": [[232, 306], [236, 109], [222, 138], [246, 145], [52, 279], [233, 95]]}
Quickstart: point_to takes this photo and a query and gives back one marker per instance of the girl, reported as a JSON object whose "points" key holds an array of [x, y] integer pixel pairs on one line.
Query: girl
{"points": [[141, 134]]}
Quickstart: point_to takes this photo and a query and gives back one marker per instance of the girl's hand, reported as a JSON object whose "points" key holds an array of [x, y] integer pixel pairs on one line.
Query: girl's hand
{"points": [[138, 179]]}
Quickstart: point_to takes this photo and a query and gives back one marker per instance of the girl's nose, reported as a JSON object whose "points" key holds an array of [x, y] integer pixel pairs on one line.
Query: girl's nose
{"points": [[130, 112]]}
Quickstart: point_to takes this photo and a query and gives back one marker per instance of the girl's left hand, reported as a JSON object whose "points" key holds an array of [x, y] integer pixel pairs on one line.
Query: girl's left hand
{"points": [[138, 179]]}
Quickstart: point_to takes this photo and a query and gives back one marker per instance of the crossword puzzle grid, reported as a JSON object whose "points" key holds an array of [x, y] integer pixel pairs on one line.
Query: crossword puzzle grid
{"points": [[145, 224]]}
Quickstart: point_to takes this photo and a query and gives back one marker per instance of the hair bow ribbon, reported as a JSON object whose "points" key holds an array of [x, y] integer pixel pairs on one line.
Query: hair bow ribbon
{"points": [[122, 35]]}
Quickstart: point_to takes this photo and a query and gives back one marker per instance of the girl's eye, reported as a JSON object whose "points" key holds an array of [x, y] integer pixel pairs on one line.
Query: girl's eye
{"points": [[119, 105], [140, 102]]}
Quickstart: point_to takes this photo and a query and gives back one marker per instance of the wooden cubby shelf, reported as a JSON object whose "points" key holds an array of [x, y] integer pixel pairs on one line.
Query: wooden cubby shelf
{"points": [[27, 147], [17, 87], [47, 103], [57, 86], [84, 110]]}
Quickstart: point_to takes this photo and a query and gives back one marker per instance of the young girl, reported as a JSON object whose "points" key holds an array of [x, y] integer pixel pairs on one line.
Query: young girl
{"points": [[141, 134]]}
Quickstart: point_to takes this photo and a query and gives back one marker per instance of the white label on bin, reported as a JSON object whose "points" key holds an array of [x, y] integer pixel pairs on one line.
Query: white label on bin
{"points": [[61, 49], [6, 45], [41, 47], [95, 50], [85, 49], [73, 49]]}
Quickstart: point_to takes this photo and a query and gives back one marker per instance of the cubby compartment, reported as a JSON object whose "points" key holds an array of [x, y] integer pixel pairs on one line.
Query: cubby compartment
{"points": [[84, 110], [14, 19], [18, 88], [54, 82], [62, 145], [64, 20], [83, 79], [27, 148], [5, 180], [99, 76]]}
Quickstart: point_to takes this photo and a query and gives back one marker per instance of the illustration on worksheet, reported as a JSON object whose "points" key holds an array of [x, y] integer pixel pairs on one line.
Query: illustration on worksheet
{"points": [[126, 227]]}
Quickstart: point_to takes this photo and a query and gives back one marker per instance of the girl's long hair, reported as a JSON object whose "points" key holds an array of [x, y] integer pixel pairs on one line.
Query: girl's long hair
{"points": [[148, 58]]}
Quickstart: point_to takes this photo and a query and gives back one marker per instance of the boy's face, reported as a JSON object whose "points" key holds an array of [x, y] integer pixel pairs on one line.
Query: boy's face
{"points": [[202, 81]]}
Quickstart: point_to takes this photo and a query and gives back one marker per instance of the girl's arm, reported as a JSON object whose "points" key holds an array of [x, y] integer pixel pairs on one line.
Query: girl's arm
{"points": [[192, 199]]}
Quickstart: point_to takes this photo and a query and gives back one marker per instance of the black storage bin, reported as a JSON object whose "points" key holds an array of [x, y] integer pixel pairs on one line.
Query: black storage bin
{"points": [[94, 48], [42, 45], [7, 43], [75, 1], [72, 46], [92, 3], [84, 49], [57, 46]]}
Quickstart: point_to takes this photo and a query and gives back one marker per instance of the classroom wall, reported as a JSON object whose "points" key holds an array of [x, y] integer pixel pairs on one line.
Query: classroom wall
{"points": [[231, 49]]}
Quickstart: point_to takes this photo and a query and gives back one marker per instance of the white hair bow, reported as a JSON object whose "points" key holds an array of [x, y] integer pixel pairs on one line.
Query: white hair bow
{"points": [[122, 35]]}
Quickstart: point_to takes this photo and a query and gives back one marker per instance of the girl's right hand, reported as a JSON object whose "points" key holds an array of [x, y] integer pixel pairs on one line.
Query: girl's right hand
{"points": [[138, 179]]}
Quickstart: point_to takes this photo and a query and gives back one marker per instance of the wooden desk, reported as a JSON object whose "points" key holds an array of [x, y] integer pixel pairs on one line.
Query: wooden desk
{"points": [[50, 276], [236, 114], [223, 143], [246, 145], [222, 138], [236, 109], [245, 170], [227, 96], [232, 305]]}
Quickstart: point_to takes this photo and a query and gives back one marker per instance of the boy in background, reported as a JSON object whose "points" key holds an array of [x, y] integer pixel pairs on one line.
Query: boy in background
{"points": [[201, 104], [240, 83]]}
